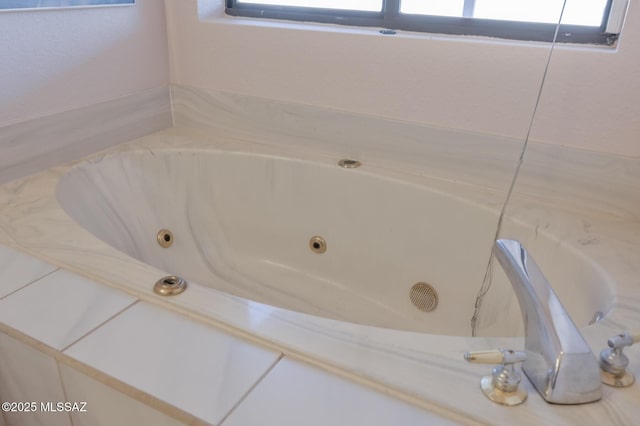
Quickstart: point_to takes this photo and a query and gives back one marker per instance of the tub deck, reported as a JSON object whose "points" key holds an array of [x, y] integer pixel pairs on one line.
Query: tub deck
{"points": [[425, 370]]}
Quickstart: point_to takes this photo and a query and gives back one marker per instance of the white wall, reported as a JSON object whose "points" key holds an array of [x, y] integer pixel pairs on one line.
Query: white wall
{"points": [[470, 84], [57, 60], [591, 97]]}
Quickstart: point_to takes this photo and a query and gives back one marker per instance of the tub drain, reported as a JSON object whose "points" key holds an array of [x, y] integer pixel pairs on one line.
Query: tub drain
{"points": [[424, 297], [170, 286]]}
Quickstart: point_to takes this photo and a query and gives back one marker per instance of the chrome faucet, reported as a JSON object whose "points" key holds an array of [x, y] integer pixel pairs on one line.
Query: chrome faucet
{"points": [[559, 362]]}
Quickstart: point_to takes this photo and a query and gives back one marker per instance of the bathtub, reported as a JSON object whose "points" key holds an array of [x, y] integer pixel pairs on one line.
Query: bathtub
{"points": [[243, 218], [242, 223]]}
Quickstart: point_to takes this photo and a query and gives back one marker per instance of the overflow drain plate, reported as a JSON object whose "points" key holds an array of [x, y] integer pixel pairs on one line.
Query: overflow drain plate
{"points": [[170, 286]]}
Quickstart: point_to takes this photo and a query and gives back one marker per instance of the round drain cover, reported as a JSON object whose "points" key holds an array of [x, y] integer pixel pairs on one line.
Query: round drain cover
{"points": [[424, 297]]}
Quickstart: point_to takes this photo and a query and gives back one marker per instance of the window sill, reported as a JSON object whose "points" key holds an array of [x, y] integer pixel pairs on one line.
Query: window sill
{"points": [[213, 11]]}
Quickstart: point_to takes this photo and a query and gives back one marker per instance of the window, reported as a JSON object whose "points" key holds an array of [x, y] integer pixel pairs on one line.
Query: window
{"points": [[46, 4], [583, 21]]}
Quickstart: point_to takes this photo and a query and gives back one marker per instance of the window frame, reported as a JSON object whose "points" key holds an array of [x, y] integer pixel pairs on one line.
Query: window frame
{"points": [[390, 19]]}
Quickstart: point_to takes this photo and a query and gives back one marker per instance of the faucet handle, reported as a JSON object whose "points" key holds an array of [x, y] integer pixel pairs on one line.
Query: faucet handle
{"points": [[613, 362], [503, 386]]}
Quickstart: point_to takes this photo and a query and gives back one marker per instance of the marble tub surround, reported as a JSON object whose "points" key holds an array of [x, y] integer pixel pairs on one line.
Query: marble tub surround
{"points": [[485, 161], [589, 202], [20, 363], [579, 181], [148, 365], [583, 183], [402, 364], [295, 394], [108, 406], [39, 311], [28, 374], [18, 269], [211, 371], [37, 144]]}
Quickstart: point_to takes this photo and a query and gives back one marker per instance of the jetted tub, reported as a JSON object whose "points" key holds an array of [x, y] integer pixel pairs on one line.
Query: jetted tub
{"points": [[244, 223], [243, 215]]}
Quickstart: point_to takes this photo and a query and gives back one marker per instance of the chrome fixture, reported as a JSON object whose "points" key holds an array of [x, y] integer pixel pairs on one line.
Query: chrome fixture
{"points": [[614, 362], [317, 244], [559, 362], [164, 238], [349, 164], [503, 386], [596, 317], [170, 286]]}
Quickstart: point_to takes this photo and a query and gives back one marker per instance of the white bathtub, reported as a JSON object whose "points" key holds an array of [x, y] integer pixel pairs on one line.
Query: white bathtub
{"points": [[242, 224], [242, 215]]}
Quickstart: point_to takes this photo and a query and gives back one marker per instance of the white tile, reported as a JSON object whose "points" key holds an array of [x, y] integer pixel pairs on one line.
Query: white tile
{"points": [[106, 406], [297, 394], [19, 269], [187, 364], [29, 375], [61, 308]]}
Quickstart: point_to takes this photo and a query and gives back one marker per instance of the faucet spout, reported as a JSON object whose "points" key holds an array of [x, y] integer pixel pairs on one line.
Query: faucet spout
{"points": [[559, 362]]}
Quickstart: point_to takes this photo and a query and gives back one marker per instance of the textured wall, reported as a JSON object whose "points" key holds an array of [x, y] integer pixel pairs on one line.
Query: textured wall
{"points": [[469, 84], [58, 60]]}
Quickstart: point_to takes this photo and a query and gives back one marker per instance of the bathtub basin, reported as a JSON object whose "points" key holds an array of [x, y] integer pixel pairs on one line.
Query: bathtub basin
{"points": [[243, 223]]}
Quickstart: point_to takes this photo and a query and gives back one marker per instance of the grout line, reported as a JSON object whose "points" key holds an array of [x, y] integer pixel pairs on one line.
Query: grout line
{"points": [[100, 325], [103, 378], [260, 379], [64, 390], [29, 283]]}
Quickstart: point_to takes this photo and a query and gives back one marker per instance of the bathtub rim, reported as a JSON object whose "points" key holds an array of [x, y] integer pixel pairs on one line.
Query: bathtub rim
{"points": [[374, 346], [329, 163]]}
